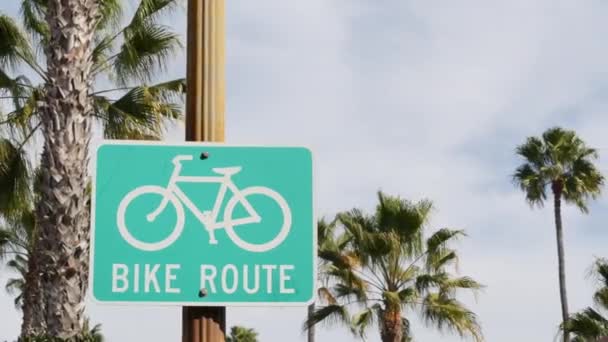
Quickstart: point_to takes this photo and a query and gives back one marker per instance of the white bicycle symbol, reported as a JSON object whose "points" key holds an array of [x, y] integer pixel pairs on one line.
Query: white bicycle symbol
{"points": [[173, 194]]}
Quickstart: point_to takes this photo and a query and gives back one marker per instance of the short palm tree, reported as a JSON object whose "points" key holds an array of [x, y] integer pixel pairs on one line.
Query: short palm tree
{"points": [[382, 266], [591, 324], [242, 334], [558, 161], [54, 66]]}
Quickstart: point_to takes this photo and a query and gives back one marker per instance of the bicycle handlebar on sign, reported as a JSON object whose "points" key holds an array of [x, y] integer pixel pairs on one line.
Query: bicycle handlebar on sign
{"points": [[178, 159]]}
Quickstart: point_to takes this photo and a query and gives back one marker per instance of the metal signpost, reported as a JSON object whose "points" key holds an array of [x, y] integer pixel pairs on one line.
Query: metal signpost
{"points": [[202, 224]]}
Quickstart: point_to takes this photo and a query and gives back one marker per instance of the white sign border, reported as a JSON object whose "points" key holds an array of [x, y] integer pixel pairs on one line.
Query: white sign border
{"points": [[91, 293]]}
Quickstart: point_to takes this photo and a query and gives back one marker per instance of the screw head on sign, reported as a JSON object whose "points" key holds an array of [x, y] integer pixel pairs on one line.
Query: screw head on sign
{"points": [[202, 293], [204, 155]]}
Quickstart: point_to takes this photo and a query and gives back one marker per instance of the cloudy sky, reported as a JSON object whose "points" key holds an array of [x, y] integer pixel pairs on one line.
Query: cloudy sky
{"points": [[423, 99]]}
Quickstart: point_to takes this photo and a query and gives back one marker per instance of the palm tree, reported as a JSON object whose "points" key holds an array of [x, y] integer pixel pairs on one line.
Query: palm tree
{"points": [[590, 324], [241, 334], [68, 46], [382, 266], [559, 161]]}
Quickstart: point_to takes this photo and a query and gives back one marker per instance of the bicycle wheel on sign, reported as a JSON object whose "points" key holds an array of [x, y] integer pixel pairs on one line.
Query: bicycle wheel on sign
{"points": [[141, 209], [272, 228]]}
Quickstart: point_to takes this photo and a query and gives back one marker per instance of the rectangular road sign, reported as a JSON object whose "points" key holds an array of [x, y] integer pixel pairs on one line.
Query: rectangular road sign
{"points": [[202, 224]]}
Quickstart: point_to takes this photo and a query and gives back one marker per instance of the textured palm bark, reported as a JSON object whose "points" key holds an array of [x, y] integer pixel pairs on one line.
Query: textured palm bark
{"points": [[33, 323], [62, 211], [391, 329], [557, 188]]}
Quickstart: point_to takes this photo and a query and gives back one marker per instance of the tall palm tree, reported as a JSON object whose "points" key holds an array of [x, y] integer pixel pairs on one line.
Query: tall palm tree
{"points": [[559, 161], [382, 266], [68, 46], [241, 334], [591, 324]]}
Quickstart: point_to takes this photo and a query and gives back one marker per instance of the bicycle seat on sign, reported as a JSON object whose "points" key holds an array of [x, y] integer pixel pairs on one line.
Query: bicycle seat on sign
{"points": [[227, 171]]}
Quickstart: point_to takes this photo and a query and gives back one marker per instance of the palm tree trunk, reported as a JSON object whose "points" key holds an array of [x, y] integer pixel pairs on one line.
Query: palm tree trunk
{"points": [[311, 329], [557, 197], [62, 212], [33, 309], [391, 329]]}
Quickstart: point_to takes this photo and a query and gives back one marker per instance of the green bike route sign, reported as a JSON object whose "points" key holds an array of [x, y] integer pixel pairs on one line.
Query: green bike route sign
{"points": [[202, 224]]}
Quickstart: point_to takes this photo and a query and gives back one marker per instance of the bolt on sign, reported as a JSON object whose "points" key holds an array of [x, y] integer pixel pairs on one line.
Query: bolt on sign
{"points": [[202, 224]]}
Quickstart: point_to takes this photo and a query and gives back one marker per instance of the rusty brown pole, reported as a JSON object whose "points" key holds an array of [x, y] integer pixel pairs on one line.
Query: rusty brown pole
{"points": [[205, 108]]}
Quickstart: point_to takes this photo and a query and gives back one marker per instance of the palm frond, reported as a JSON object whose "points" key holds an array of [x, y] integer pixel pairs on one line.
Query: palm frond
{"points": [[7, 236], [18, 264], [15, 287], [14, 179], [447, 314], [441, 237], [150, 10], [145, 51], [407, 295], [363, 232], [600, 298], [363, 320], [439, 260], [141, 113], [33, 13], [14, 46], [323, 293], [350, 292], [425, 282], [111, 12], [404, 218], [330, 314], [242, 334], [582, 183], [404, 276], [532, 183], [101, 52], [451, 285], [347, 279], [22, 122], [600, 271], [533, 151], [19, 235], [17, 88], [93, 333], [325, 230], [587, 325]]}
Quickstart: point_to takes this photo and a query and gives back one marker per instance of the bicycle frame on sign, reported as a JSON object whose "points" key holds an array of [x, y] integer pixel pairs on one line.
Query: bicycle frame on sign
{"points": [[209, 221]]}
